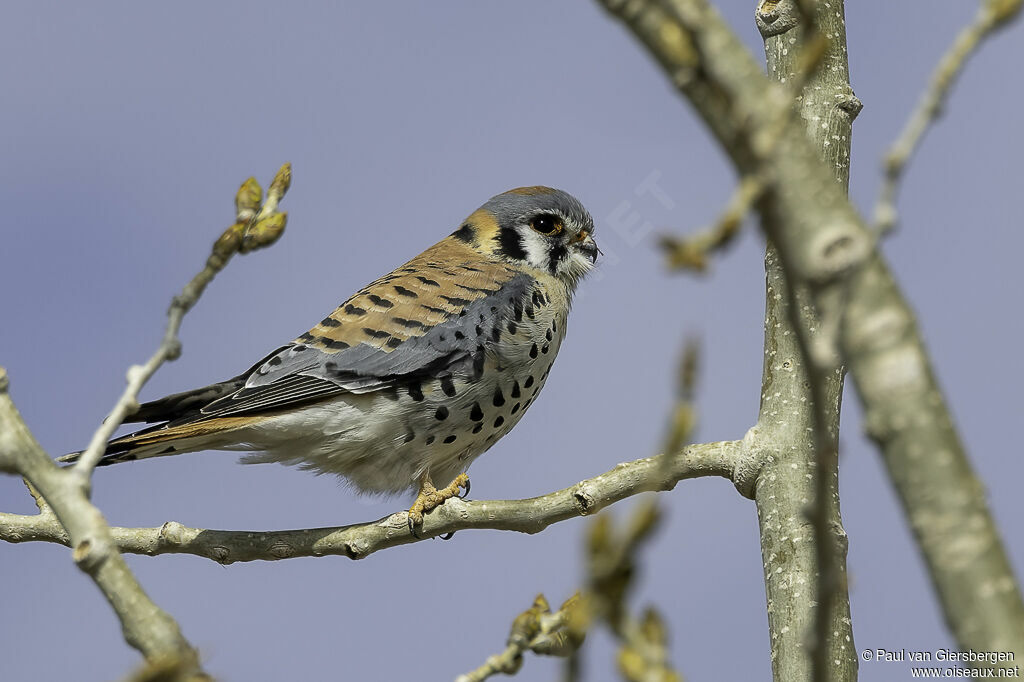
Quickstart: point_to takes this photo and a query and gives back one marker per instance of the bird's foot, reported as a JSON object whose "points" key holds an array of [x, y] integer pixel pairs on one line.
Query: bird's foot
{"points": [[430, 497]]}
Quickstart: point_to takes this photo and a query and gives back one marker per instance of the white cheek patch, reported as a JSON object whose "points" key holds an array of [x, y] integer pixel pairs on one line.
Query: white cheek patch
{"points": [[536, 247]]}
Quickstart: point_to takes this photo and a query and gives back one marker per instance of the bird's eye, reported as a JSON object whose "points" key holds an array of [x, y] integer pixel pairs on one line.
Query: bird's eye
{"points": [[547, 224]]}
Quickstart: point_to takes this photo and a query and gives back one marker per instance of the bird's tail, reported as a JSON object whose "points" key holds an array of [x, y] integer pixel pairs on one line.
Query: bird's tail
{"points": [[164, 440]]}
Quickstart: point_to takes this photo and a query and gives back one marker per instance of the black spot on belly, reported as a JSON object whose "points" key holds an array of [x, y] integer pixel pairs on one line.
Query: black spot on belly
{"points": [[548, 335], [515, 408], [450, 439], [511, 327], [495, 334], [517, 311], [545, 349], [554, 326], [478, 427], [533, 351], [528, 382], [276, 360], [416, 391], [476, 414], [409, 437], [478, 362], [529, 311], [499, 397], [499, 420], [448, 386], [441, 414], [515, 389], [430, 439]]}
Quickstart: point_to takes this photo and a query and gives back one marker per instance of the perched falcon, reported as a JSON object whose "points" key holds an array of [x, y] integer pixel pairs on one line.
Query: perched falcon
{"points": [[414, 376]]}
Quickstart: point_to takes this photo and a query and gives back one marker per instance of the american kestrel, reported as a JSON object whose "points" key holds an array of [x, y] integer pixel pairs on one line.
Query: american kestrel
{"points": [[414, 376]]}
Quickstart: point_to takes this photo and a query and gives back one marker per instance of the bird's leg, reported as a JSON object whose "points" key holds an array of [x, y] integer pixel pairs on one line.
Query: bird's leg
{"points": [[430, 497]]}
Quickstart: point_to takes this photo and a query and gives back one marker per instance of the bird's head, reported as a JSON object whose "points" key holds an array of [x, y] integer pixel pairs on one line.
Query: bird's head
{"points": [[543, 228]]}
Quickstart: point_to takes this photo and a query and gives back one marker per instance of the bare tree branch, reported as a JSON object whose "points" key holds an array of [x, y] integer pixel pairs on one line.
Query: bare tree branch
{"points": [[827, 106], [992, 14], [360, 540], [793, 444], [145, 626], [825, 246], [62, 495]]}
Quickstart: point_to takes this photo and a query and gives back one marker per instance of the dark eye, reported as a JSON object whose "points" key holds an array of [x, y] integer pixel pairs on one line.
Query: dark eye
{"points": [[547, 224]]}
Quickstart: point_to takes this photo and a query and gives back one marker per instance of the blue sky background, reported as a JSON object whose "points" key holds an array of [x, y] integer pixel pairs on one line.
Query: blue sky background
{"points": [[126, 129]]}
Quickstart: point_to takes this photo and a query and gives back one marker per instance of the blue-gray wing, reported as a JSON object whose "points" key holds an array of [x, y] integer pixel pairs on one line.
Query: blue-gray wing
{"points": [[425, 319]]}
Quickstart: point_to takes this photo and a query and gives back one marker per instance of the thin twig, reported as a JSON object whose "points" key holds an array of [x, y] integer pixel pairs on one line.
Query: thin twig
{"points": [[538, 630], [360, 540], [611, 567], [62, 495], [612, 564], [252, 230], [692, 251], [683, 418], [991, 15]]}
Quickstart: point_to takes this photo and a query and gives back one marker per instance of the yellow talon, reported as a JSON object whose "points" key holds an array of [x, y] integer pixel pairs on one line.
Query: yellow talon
{"points": [[430, 497]]}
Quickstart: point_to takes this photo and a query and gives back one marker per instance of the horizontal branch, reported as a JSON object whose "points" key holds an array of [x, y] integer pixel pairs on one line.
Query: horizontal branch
{"points": [[360, 540]]}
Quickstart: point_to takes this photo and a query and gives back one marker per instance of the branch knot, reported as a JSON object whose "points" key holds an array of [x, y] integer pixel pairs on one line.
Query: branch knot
{"points": [[749, 463], [90, 554]]}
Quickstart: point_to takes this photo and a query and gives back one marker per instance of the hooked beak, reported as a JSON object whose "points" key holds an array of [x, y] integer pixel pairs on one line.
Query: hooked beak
{"points": [[586, 244]]}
